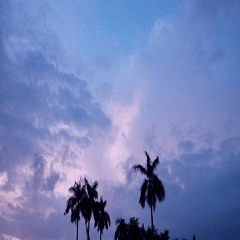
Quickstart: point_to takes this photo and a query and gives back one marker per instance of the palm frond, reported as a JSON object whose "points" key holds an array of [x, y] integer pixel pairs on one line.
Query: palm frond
{"points": [[104, 204], [140, 168], [148, 158], [73, 217], [95, 185], [73, 189], [121, 230], [120, 221], [142, 198], [116, 234], [158, 188], [155, 163], [108, 219], [101, 217], [70, 203], [149, 162], [154, 201]]}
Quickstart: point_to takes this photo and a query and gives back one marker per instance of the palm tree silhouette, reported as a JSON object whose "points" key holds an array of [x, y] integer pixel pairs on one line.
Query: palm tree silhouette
{"points": [[89, 203], [152, 188], [102, 219], [75, 202], [134, 231], [121, 231]]}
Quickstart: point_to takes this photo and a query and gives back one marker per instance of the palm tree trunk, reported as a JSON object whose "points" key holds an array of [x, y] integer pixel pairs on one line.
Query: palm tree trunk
{"points": [[88, 230], [151, 202], [77, 229], [100, 235], [152, 216]]}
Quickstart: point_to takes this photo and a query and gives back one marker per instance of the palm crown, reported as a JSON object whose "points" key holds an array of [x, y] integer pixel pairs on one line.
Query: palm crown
{"points": [[102, 218], [75, 202], [152, 189], [121, 231], [89, 203]]}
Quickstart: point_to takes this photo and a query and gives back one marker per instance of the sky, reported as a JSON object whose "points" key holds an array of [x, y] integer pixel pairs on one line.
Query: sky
{"points": [[87, 86]]}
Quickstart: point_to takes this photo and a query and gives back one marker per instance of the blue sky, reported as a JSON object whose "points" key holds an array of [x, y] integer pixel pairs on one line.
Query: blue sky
{"points": [[87, 86], [90, 26]]}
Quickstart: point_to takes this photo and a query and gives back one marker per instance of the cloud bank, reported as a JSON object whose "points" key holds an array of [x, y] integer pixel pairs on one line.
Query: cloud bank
{"points": [[63, 116]]}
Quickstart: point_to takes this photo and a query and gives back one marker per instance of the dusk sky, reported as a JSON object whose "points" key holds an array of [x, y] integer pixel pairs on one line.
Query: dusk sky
{"points": [[87, 86]]}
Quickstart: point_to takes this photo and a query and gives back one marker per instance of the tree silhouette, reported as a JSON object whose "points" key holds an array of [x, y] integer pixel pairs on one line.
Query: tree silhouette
{"points": [[165, 235], [143, 232], [134, 232], [102, 219], [89, 203], [76, 202], [152, 188], [121, 231]]}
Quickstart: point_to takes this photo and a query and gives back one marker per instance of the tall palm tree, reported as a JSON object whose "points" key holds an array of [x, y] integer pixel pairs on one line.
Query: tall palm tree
{"points": [[152, 189], [102, 219], [121, 231], [89, 203], [75, 202]]}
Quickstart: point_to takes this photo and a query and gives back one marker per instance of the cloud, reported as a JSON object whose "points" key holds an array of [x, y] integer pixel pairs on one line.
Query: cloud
{"points": [[177, 97], [186, 146], [44, 110], [185, 71], [210, 195]]}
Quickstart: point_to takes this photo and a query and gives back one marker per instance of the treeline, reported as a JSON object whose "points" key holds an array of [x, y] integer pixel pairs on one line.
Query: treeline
{"points": [[131, 231], [84, 203]]}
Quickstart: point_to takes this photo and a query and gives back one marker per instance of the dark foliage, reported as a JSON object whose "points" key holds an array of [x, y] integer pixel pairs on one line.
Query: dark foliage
{"points": [[132, 231]]}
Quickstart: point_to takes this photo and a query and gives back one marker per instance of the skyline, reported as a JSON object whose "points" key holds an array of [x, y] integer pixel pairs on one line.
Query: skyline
{"points": [[86, 87]]}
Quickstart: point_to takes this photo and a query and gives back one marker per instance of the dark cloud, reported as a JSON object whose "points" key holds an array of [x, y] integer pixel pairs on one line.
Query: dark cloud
{"points": [[209, 199], [37, 98], [51, 181], [32, 221], [38, 179]]}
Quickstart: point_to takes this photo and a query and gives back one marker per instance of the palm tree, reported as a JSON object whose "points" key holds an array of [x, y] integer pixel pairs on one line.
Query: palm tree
{"points": [[89, 203], [75, 202], [121, 231], [152, 188], [102, 218], [134, 231]]}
